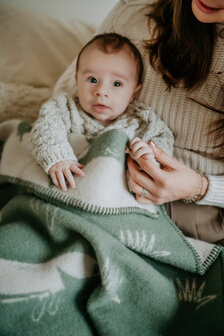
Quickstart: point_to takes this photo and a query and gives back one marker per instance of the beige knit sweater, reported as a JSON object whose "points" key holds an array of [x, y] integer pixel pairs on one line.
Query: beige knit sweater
{"points": [[189, 114], [63, 115]]}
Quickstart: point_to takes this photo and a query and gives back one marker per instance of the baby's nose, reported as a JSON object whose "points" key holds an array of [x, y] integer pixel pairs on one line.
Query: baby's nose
{"points": [[102, 91]]}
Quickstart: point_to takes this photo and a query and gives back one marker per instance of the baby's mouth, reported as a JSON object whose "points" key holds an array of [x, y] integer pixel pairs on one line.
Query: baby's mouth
{"points": [[100, 107]]}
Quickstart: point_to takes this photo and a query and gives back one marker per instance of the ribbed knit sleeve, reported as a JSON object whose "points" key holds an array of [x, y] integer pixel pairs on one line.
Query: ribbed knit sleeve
{"points": [[49, 142], [215, 193]]}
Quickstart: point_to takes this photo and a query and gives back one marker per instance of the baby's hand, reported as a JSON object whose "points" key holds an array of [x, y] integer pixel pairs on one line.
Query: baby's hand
{"points": [[61, 173], [139, 148]]}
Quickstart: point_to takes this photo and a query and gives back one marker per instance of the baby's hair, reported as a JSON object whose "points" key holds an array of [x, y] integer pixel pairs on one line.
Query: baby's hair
{"points": [[113, 42]]}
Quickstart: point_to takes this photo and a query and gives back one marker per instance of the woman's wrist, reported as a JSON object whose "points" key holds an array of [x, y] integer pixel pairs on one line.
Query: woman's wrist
{"points": [[204, 187], [200, 190], [215, 193]]}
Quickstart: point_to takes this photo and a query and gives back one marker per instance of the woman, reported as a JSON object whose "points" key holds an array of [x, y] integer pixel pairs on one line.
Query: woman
{"points": [[182, 44]]}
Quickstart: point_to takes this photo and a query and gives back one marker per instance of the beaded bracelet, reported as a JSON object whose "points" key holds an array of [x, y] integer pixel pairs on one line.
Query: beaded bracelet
{"points": [[198, 195]]}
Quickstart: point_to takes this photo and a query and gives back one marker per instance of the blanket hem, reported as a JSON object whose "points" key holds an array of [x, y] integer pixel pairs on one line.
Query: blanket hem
{"points": [[55, 196]]}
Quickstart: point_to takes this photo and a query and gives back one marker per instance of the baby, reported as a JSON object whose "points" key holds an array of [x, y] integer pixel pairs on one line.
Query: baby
{"points": [[108, 75]]}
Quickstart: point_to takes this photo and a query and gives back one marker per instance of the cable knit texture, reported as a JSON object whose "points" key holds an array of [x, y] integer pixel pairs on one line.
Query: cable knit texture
{"points": [[189, 114], [63, 115]]}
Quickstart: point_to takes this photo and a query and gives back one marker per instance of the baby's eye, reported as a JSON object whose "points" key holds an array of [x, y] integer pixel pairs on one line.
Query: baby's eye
{"points": [[117, 84], [92, 80]]}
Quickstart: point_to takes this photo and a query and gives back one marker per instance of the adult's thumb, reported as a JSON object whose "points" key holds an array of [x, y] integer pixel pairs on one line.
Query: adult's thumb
{"points": [[162, 157]]}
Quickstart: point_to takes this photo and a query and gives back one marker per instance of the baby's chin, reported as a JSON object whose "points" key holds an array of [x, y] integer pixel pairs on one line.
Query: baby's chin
{"points": [[102, 118], [105, 120]]}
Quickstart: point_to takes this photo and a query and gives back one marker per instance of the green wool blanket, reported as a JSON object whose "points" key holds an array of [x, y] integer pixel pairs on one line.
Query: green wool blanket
{"points": [[93, 261]]}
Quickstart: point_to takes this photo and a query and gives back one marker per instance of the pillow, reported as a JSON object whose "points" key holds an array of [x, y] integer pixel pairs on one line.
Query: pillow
{"points": [[19, 101], [35, 48]]}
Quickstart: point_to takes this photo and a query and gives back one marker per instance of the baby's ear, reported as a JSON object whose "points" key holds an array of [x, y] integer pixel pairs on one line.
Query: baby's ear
{"points": [[138, 88]]}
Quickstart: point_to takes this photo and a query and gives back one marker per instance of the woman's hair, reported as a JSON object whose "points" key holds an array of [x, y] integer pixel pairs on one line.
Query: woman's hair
{"points": [[182, 47], [112, 43]]}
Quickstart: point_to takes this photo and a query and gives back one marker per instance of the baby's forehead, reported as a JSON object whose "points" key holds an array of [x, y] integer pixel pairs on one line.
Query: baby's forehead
{"points": [[108, 49], [123, 50]]}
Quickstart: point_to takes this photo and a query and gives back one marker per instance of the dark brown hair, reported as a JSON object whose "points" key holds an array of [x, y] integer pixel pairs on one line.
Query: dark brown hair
{"points": [[181, 50], [113, 42], [182, 47]]}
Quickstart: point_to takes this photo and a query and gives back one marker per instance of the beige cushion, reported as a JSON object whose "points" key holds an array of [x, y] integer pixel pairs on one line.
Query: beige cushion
{"points": [[19, 101], [35, 48]]}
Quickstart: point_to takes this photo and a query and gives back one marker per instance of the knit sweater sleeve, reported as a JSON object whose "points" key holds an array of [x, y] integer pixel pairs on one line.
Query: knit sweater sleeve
{"points": [[49, 141], [215, 193], [153, 128]]}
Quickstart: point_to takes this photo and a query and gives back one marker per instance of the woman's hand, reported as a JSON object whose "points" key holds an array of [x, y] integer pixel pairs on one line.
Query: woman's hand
{"points": [[62, 173], [169, 182]]}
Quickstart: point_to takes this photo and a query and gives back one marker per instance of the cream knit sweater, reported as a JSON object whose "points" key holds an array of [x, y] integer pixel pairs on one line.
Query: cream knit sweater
{"points": [[189, 114], [63, 115]]}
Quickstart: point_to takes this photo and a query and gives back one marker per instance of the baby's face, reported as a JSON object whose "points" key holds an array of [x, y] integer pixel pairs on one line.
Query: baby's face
{"points": [[106, 83]]}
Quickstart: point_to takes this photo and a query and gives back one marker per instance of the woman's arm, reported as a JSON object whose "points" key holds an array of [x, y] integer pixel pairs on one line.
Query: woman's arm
{"points": [[173, 181]]}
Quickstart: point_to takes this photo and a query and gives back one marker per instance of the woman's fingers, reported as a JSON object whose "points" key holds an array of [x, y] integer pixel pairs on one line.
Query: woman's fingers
{"points": [[163, 158], [150, 169], [142, 195], [173, 181], [132, 166], [156, 172], [138, 179], [143, 200], [141, 185]]}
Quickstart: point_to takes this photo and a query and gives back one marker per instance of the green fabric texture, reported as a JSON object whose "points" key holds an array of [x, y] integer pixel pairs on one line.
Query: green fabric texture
{"points": [[66, 270], [151, 289]]}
